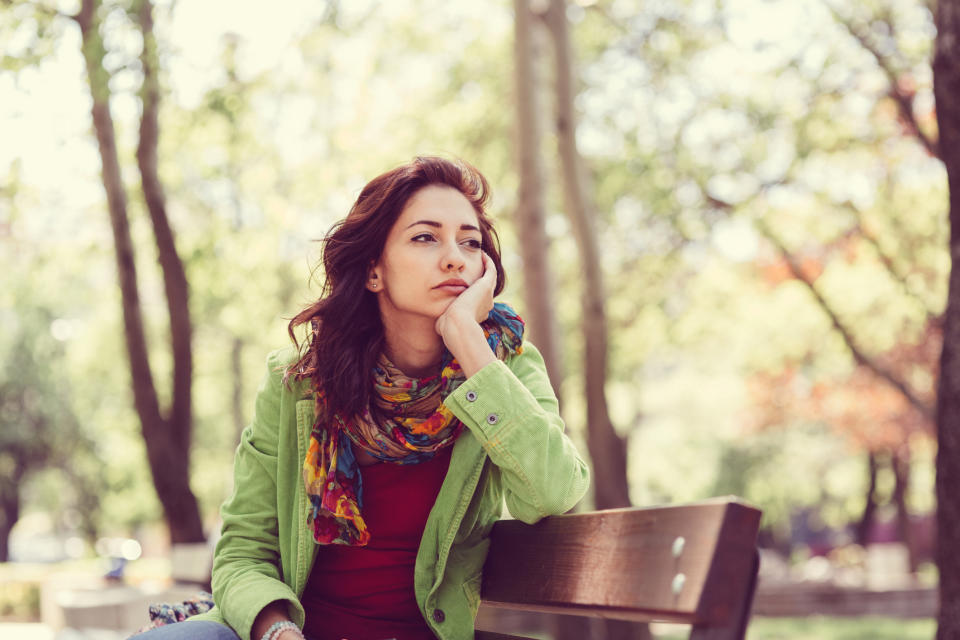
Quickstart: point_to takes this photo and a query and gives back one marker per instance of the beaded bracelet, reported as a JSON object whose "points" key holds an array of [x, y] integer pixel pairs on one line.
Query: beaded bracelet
{"points": [[279, 627]]}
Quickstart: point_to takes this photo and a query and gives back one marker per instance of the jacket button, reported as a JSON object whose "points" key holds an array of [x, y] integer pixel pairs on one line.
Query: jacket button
{"points": [[493, 418], [438, 615], [471, 396]]}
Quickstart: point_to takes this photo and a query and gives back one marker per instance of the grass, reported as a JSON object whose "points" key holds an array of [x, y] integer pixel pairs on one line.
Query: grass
{"points": [[812, 628], [822, 628]]}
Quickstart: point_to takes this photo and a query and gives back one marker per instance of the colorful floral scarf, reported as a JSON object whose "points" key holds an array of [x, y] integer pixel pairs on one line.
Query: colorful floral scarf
{"points": [[415, 425]]}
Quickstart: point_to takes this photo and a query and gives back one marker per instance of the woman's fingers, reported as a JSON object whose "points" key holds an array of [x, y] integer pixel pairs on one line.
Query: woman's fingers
{"points": [[489, 268], [475, 301], [487, 282]]}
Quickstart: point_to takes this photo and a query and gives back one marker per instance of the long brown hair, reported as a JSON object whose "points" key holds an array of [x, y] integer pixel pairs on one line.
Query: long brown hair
{"points": [[346, 333]]}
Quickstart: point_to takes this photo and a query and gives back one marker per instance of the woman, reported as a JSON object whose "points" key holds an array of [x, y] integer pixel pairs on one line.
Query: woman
{"points": [[382, 452]]}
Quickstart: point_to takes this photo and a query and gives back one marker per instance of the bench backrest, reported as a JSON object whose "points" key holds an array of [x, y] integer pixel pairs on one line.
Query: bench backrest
{"points": [[694, 564]]}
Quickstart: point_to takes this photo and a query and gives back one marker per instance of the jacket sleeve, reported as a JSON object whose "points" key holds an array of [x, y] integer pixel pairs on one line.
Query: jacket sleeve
{"points": [[246, 565], [512, 410]]}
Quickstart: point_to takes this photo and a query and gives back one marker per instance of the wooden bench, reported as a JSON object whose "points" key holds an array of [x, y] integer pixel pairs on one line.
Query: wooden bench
{"points": [[694, 564]]}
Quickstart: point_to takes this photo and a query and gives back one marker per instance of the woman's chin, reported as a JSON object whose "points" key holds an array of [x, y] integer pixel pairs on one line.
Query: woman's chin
{"points": [[445, 305], [431, 312]]}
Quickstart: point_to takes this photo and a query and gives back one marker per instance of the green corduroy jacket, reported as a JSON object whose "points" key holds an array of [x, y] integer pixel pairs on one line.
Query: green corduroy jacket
{"points": [[513, 450]]}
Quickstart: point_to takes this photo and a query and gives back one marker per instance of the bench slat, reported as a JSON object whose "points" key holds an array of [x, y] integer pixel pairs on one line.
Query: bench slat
{"points": [[620, 563]]}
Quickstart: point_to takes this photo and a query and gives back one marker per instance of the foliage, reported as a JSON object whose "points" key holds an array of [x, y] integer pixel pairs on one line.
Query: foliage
{"points": [[726, 152], [20, 601], [41, 429], [724, 141]]}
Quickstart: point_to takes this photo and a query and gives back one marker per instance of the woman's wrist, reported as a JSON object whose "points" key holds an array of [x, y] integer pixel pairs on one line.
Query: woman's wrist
{"points": [[282, 630], [272, 623], [465, 339]]}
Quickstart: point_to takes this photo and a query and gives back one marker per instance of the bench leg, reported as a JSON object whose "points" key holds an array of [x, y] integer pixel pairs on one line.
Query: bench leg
{"points": [[737, 629]]}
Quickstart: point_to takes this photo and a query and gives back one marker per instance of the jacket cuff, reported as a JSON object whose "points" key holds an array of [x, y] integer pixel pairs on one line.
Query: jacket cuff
{"points": [[492, 401], [265, 592]]}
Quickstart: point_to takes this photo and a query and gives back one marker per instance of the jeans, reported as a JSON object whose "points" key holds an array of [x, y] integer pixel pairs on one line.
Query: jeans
{"points": [[187, 630]]}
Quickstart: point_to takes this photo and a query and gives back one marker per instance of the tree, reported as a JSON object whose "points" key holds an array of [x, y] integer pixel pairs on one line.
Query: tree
{"points": [[607, 449], [534, 245], [883, 383], [40, 428], [722, 137], [946, 82], [662, 130], [167, 434]]}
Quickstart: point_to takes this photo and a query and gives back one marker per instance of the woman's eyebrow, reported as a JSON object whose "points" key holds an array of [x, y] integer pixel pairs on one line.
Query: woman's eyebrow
{"points": [[434, 223], [429, 223]]}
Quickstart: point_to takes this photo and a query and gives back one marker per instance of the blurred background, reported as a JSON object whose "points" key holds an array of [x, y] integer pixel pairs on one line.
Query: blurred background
{"points": [[724, 221]]}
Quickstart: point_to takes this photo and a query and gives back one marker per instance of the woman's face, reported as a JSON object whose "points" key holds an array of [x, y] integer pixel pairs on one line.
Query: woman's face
{"points": [[431, 255]]}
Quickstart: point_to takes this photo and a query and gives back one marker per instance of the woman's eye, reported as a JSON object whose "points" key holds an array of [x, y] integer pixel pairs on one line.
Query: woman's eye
{"points": [[472, 243], [423, 237]]}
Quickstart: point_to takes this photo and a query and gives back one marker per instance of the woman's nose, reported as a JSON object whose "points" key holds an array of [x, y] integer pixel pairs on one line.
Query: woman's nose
{"points": [[453, 259]]}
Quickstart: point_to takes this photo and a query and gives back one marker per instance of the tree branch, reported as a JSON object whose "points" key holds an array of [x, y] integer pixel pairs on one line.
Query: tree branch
{"points": [[174, 277], [887, 261], [925, 408], [903, 101], [170, 453], [144, 391]]}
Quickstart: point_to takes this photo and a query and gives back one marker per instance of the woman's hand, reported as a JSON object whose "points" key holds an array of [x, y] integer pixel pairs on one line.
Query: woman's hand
{"points": [[276, 611], [459, 325], [475, 302]]}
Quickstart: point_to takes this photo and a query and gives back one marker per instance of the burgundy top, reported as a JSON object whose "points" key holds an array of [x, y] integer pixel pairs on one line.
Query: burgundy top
{"points": [[366, 593]]}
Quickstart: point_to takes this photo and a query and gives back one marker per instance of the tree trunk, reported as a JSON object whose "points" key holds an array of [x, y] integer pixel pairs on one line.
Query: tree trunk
{"points": [[870, 508], [900, 462], [534, 245], [531, 229], [946, 83], [167, 449], [236, 371], [171, 460], [9, 509], [607, 448]]}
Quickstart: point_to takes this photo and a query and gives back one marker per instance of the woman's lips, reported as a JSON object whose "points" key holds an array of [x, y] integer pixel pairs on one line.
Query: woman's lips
{"points": [[453, 286], [455, 289]]}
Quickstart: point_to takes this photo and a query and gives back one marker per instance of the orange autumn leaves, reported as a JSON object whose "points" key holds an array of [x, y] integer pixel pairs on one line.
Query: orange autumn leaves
{"points": [[863, 407]]}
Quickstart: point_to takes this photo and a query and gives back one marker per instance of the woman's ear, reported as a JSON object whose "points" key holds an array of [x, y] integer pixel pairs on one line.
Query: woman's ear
{"points": [[374, 283]]}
